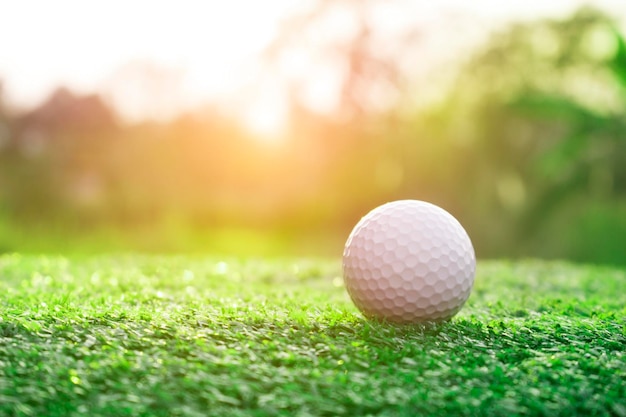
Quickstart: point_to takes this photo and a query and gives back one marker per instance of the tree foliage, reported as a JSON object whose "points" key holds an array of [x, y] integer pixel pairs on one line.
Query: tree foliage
{"points": [[527, 150], [548, 110]]}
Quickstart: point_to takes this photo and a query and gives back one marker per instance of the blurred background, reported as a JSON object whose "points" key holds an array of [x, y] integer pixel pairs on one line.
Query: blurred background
{"points": [[270, 128]]}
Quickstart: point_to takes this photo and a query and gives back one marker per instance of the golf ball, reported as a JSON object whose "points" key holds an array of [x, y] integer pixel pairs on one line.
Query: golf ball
{"points": [[409, 261]]}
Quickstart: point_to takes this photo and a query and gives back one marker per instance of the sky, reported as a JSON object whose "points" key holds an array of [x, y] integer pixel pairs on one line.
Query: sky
{"points": [[190, 52]]}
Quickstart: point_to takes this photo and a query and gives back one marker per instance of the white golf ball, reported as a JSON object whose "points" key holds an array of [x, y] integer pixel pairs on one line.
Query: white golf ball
{"points": [[409, 261]]}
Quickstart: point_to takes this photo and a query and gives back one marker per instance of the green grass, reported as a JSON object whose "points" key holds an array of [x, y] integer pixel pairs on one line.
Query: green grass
{"points": [[190, 336]]}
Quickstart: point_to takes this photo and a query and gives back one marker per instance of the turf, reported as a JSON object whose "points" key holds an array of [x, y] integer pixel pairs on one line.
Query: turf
{"points": [[183, 336]]}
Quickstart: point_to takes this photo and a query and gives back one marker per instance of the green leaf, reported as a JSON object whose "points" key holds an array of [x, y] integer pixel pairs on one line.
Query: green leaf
{"points": [[553, 107], [618, 63]]}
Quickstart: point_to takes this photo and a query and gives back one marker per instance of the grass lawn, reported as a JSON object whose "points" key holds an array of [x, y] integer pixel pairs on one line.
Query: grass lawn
{"points": [[190, 336]]}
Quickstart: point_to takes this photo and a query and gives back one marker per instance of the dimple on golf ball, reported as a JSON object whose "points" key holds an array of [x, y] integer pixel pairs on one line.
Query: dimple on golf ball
{"points": [[409, 261]]}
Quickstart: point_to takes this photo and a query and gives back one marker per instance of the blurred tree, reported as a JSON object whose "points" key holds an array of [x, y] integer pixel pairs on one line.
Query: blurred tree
{"points": [[64, 110], [344, 42], [544, 109], [54, 153], [5, 141]]}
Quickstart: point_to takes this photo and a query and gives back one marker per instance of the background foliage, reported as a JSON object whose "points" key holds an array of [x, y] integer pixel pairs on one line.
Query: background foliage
{"points": [[527, 149]]}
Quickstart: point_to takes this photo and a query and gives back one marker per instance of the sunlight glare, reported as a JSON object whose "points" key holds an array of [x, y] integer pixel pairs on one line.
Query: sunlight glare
{"points": [[211, 46], [266, 116]]}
